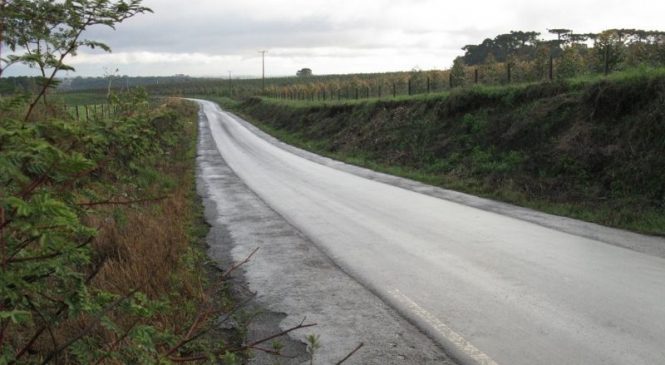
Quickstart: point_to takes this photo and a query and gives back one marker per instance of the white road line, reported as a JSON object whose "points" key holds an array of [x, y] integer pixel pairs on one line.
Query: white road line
{"points": [[455, 338]]}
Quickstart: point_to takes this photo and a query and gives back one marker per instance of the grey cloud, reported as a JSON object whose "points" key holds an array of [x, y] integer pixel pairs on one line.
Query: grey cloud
{"points": [[379, 33], [238, 33], [221, 36]]}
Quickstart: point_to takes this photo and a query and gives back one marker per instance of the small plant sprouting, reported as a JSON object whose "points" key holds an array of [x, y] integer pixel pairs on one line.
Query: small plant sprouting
{"points": [[229, 358], [313, 345], [277, 347]]}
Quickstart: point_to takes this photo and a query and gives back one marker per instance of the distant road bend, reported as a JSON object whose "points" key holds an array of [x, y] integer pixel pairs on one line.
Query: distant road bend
{"points": [[491, 289]]}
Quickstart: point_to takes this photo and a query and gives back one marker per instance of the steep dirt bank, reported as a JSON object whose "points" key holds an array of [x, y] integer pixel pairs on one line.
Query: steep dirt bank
{"points": [[594, 151]]}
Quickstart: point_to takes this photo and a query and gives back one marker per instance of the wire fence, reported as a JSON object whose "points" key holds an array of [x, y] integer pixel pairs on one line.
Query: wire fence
{"points": [[92, 111], [415, 83]]}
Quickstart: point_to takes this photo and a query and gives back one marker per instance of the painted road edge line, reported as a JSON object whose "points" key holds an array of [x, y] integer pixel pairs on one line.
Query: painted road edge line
{"points": [[442, 329]]}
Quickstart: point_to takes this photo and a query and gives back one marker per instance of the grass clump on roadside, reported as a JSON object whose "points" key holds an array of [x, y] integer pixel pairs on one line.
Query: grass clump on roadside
{"points": [[589, 149]]}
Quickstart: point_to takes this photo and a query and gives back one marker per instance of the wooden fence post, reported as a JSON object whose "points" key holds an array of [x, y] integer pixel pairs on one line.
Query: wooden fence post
{"points": [[409, 87], [394, 90], [475, 75], [550, 74], [428, 85], [508, 70]]}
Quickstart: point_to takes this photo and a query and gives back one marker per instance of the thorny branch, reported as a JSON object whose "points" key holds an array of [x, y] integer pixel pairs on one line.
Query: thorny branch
{"points": [[123, 202], [350, 353], [241, 263], [253, 345]]}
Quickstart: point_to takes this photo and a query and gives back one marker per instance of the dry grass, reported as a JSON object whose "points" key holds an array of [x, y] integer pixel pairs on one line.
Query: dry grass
{"points": [[151, 248], [142, 254]]}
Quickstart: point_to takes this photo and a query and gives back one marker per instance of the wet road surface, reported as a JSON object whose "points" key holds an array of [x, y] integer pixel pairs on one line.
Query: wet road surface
{"points": [[489, 287]]}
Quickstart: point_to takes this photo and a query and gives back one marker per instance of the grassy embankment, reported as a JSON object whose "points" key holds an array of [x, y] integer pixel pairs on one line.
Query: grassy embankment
{"points": [[592, 149]]}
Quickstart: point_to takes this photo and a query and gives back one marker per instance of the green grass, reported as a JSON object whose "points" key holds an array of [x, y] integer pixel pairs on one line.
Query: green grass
{"points": [[82, 98], [635, 73]]}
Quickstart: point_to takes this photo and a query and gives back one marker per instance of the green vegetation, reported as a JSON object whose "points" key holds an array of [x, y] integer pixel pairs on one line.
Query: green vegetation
{"points": [[83, 98], [80, 284], [101, 232], [589, 147]]}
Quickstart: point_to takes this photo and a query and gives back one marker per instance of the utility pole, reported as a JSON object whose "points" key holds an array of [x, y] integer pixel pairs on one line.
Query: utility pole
{"points": [[263, 70], [230, 85]]}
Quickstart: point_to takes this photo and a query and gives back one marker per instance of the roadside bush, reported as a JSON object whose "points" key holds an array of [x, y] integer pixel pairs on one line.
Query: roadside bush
{"points": [[67, 185]]}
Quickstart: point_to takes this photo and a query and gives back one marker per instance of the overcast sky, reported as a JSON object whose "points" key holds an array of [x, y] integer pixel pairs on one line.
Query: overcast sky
{"points": [[213, 37]]}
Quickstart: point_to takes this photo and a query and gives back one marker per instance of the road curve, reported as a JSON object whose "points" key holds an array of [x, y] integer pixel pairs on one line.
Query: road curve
{"points": [[491, 289]]}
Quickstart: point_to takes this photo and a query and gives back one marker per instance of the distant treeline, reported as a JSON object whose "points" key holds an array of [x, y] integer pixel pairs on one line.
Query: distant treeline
{"points": [[12, 85], [630, 46], [118, 82], [18, 84], [608, 50]]}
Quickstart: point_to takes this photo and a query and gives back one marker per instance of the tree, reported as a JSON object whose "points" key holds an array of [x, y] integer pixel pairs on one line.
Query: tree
{"points": [[46, 167], [560, 33], [305, 72], [457, 72], [46, 32], [476, 54], [575, 38], [503, 46], [571, 62], [525, 38], [609, 49]]}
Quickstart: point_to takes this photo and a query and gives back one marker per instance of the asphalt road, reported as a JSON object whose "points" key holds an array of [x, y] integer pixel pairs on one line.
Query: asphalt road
{"points": [[294, 280], [489, 287]]}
